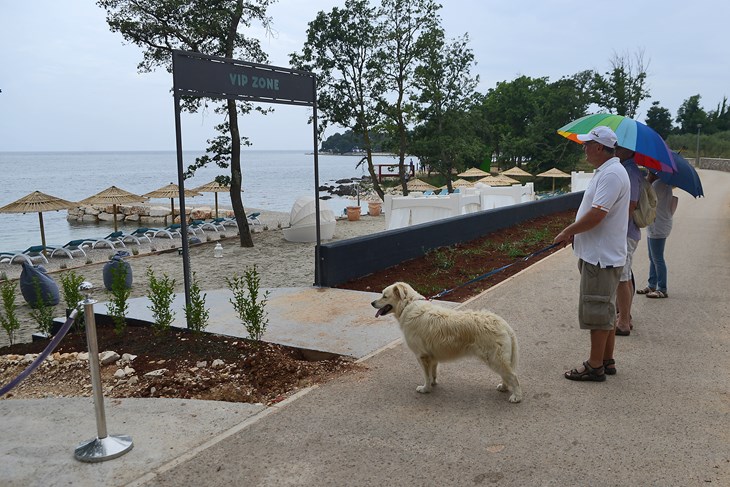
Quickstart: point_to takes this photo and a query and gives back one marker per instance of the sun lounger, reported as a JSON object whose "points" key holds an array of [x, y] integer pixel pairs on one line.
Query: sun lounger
{"points": [[196, 226], [68, 249], [224, 222], [111, 241], [27, 255], [143, 233], [169, 231], [254, 218]]}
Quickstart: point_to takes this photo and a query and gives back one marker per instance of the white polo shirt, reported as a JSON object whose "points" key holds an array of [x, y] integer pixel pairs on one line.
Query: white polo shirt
{"points": [[609, 190]]}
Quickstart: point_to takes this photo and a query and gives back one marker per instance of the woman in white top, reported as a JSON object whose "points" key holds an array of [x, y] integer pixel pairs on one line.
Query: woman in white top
{"points": [[657, 234]]}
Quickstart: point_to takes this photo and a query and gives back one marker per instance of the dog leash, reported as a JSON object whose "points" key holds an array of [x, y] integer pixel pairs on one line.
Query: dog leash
{"points": [[494, 271]]}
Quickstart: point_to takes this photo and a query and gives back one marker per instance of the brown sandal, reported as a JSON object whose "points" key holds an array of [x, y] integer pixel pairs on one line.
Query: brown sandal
{"points": [[589, 374], [646, 290]]}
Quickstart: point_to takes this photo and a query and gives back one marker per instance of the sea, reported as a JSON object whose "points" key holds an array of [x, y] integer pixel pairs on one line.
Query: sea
{"points": [[272, 180]]}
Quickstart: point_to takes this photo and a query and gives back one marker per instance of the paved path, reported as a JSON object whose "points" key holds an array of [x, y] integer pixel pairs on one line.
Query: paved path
{"points": [[662, 420]]}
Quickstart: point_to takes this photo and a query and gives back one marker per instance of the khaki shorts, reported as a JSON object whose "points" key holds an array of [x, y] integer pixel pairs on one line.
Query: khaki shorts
{"points": [[597, 303], [631, 245]]}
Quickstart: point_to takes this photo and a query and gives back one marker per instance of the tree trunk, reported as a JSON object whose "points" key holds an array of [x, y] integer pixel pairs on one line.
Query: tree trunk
{"points": [[371, 167], [244, 233], [236, 178]]}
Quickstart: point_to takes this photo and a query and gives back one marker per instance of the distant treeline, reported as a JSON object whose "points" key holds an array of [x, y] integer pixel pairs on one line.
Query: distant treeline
{"points": [[351, 142]]}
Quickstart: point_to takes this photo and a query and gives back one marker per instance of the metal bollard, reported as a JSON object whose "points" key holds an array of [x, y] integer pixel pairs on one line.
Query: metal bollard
{"points": [[103, 447]]}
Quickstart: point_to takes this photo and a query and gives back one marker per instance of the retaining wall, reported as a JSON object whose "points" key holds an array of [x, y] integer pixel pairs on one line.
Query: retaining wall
{"points": [[344, 260], [715, 164]]}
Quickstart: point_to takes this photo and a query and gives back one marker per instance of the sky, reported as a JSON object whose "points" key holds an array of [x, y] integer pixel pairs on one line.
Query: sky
{"points": [[69, 84]]}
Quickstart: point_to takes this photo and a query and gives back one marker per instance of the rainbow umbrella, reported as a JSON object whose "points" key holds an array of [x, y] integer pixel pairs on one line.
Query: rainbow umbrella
{"points": [[651, 150]]}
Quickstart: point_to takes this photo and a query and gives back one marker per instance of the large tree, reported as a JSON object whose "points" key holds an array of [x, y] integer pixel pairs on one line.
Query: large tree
{"points": [[446, 137], [623, 88], [659, 118], [405, 27], [521, 118], [209, 27], [690, 114], [341, 50]]}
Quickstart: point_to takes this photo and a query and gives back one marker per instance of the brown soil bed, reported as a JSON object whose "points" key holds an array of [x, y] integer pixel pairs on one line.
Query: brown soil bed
{"points": [[264, 373]]}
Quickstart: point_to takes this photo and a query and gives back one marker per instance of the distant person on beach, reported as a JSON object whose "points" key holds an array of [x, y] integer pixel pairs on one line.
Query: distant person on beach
{"points": [[625, 294], [598, 236], [657, 234]]}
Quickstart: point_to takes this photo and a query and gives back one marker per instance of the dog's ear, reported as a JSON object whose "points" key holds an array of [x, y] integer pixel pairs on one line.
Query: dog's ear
{"points": [[400, 289]]}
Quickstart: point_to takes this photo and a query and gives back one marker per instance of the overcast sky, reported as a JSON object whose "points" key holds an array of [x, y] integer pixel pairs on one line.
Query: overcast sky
{"points": [[68, 83]]}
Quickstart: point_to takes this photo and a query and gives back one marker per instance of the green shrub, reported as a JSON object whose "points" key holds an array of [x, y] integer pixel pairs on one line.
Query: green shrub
{"points": [[161, 293], [70, 282], [42, 313], [119, 295], [9, 319], [196, 313], [250, 310]]}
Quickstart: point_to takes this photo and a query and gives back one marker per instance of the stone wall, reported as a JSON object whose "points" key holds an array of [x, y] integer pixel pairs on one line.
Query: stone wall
{"points": [[713, 163], [142, 215]]}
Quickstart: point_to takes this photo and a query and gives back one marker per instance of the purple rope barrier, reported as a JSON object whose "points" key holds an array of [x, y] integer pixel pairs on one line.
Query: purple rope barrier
{"points": [[50, 348]]}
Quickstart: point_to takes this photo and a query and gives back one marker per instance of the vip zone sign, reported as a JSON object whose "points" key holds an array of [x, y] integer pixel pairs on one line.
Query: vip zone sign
{"points": [[200, 75]]}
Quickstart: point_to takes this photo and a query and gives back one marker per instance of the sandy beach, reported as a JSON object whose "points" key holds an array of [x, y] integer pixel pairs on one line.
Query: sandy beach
{"points": [[280, 263]]}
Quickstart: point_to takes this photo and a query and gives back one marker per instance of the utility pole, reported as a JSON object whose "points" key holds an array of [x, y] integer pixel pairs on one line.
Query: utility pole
{"points": [[697, 163]]}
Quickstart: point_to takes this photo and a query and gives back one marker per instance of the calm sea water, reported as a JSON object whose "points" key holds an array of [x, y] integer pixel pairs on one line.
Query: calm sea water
{"points": [[272, 180]]}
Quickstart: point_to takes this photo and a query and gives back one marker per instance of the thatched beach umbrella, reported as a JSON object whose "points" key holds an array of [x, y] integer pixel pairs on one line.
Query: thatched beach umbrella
{"points": [[171, 191], [113, 196], [498, 180], [418, 185], [214, 187], [37, 202], [462, 183], [516, 172], [473, 172], [553, 173]]}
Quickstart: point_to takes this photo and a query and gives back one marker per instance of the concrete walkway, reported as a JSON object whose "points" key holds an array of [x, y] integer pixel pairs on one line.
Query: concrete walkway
{"points": [[662, 420]]}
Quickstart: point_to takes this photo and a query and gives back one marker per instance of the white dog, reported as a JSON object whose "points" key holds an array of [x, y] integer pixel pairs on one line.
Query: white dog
{"points": [[436, 334]]}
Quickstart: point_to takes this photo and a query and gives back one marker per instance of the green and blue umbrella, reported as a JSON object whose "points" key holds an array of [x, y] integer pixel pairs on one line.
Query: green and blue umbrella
{"points": [[651, 150]]}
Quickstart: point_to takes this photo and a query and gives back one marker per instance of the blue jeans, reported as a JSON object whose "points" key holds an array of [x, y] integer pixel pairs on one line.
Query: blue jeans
{"points": [[657, 266]]}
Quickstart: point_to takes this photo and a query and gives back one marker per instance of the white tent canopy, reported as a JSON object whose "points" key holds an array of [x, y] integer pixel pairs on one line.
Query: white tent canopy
{"points": [[303, 221]]}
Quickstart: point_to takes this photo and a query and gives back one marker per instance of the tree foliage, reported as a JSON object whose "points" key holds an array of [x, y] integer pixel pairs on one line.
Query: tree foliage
{"points": [[406, 28], [659, 118], [623, 88], [520, 120], [446, 138], [341, 49], [690, 114], [209, 27]]}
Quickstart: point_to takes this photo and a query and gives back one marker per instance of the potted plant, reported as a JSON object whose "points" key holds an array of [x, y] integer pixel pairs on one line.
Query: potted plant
{"points": [[374, 208], [353, 213]]}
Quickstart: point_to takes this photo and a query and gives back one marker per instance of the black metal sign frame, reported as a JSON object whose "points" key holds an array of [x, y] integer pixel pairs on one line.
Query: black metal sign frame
{"points": [[200, 75]]}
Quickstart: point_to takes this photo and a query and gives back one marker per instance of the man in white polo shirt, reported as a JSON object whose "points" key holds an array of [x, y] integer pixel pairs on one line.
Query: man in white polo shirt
{"points": [[598, 236]]}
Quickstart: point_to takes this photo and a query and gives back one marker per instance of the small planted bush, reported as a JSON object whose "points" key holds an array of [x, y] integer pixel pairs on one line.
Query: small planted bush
{"points": [[161, 293], [9, 319], [196, 313], [119, 296], [43, 312], [70, 282], [250, 310]]}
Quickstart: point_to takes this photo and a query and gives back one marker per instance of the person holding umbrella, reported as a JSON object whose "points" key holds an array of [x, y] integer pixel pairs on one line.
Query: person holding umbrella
{"points": [[657, 234], [599, 241], [625, 293]]}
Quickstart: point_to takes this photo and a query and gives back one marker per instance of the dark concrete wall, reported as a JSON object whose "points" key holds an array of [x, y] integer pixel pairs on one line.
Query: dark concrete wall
{"points": [[345, 260]]}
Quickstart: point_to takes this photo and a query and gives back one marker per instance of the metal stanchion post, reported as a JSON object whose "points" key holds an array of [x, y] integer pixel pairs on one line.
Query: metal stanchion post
{"points": [[103, 447]]}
